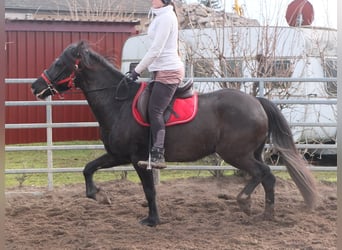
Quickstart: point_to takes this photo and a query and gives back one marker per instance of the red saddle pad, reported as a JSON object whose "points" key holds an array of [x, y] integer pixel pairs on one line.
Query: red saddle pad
{"points": [[184, 110]]}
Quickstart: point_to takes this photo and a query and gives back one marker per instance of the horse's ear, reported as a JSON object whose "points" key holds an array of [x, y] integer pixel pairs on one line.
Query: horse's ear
{"points": [[81, 46]]}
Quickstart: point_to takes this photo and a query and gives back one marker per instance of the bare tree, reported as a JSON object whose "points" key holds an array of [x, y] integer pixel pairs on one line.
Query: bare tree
{"points": [[103, 10], [223, 46]]}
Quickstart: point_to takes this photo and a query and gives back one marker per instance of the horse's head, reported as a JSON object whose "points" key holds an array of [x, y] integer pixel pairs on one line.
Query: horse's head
{"points": [[60, 76], [81, 66]]}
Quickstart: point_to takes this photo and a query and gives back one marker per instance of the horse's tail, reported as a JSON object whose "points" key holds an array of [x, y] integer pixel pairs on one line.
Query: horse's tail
{"points": [[281, 138]]}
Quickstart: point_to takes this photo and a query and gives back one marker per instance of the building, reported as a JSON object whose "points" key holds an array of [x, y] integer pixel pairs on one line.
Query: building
{"points": [[79, 10], [37, 32]]}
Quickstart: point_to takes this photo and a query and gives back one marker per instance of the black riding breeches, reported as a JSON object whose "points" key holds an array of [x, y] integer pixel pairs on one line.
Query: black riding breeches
{"points": [[160, 98]]}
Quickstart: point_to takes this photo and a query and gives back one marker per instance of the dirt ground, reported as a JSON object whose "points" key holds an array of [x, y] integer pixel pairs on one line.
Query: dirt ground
{"points": [[193, 214]]}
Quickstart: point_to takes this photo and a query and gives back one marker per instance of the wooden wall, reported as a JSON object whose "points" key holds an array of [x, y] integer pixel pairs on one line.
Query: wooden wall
{"points": [[31, 46]]}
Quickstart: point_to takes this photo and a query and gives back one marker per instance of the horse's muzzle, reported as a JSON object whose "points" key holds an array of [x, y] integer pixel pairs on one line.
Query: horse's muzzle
{"points": [[41, 90], [42, 94]]}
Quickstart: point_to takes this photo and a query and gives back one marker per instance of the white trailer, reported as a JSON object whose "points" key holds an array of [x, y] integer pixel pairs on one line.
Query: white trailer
{"points": [[247, 52]]}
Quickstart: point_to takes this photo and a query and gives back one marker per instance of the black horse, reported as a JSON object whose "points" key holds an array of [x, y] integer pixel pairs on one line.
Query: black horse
{"points": [[234, 125]]}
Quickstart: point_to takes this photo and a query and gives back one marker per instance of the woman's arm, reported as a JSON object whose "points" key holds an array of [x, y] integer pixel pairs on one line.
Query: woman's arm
{"points": [[162, 32]]}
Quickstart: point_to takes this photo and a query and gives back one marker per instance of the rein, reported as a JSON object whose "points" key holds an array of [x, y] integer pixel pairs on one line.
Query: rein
{"points": [[123, 83]]}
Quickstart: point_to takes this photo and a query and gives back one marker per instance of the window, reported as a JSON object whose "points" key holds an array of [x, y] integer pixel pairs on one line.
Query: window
{"points": [[144, 74], [276, 68], [204, 68], [271, 67], [330, 70], [233, 68], [282, 68], [211, 68], [268, 67]]}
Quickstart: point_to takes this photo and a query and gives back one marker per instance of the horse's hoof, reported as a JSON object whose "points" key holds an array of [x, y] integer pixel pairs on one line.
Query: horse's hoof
{"points": [[103, 198], [263, 217], [245, 205], [268, 216], [269, 213], [92, 194], [149, 222]]}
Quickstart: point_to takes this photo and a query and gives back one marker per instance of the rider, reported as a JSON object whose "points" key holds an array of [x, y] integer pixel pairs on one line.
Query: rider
{"points": [[162, 59]]}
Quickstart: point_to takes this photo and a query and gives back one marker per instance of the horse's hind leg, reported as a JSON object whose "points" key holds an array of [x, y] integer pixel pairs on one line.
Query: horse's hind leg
{"points": [[244, 197], [146, 177], [268, 183], [260, 173]]}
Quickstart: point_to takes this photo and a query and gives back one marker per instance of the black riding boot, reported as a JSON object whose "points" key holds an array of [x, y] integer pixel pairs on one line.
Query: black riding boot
{"points": [[157, 159]]}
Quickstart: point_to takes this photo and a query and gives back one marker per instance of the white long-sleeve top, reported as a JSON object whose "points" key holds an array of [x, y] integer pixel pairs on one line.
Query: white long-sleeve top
{"points": [[163, 53]]}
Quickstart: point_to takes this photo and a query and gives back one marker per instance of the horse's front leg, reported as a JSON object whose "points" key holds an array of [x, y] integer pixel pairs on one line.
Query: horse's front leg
{"points": [[146, 177], [104, 161]]}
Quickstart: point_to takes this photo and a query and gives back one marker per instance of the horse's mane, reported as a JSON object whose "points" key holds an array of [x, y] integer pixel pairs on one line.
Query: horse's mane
{"points": [[88, 56]]}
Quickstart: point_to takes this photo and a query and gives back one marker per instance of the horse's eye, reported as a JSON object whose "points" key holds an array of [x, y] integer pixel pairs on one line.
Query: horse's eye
{"points": [[58, 62]]}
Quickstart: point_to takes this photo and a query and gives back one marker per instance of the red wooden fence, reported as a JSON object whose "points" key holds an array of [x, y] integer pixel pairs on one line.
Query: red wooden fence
{"points": [[31, 46]]}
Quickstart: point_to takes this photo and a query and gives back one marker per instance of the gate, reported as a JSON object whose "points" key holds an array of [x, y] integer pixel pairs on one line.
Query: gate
{"points": [[49, 124]]}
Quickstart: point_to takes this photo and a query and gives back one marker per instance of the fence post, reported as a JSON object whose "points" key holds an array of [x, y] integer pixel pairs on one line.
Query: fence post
{"points": [[2, 124], [339, 136], [49, 143], [156, 176], [261, 88]]}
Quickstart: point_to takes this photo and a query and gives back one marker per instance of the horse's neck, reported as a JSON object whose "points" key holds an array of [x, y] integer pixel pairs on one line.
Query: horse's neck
{"points": [[104, 111], [106, 107]]}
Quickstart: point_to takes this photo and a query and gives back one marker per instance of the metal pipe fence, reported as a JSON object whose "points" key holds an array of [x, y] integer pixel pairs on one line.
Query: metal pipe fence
{"points": [[49, 125]]}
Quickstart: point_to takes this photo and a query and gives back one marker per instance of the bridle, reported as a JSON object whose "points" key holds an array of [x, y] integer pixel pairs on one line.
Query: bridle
{"points": [[52, 83], [69, 83]]}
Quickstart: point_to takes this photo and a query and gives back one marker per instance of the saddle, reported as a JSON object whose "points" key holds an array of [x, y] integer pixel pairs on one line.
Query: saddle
{"points": [[185, 99]]}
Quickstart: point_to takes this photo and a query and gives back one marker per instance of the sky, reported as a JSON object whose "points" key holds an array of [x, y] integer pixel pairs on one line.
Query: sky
{"points": [[272, 12]]}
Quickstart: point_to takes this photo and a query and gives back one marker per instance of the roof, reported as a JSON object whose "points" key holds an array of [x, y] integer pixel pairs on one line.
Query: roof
{"points": [[36, 6]]}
